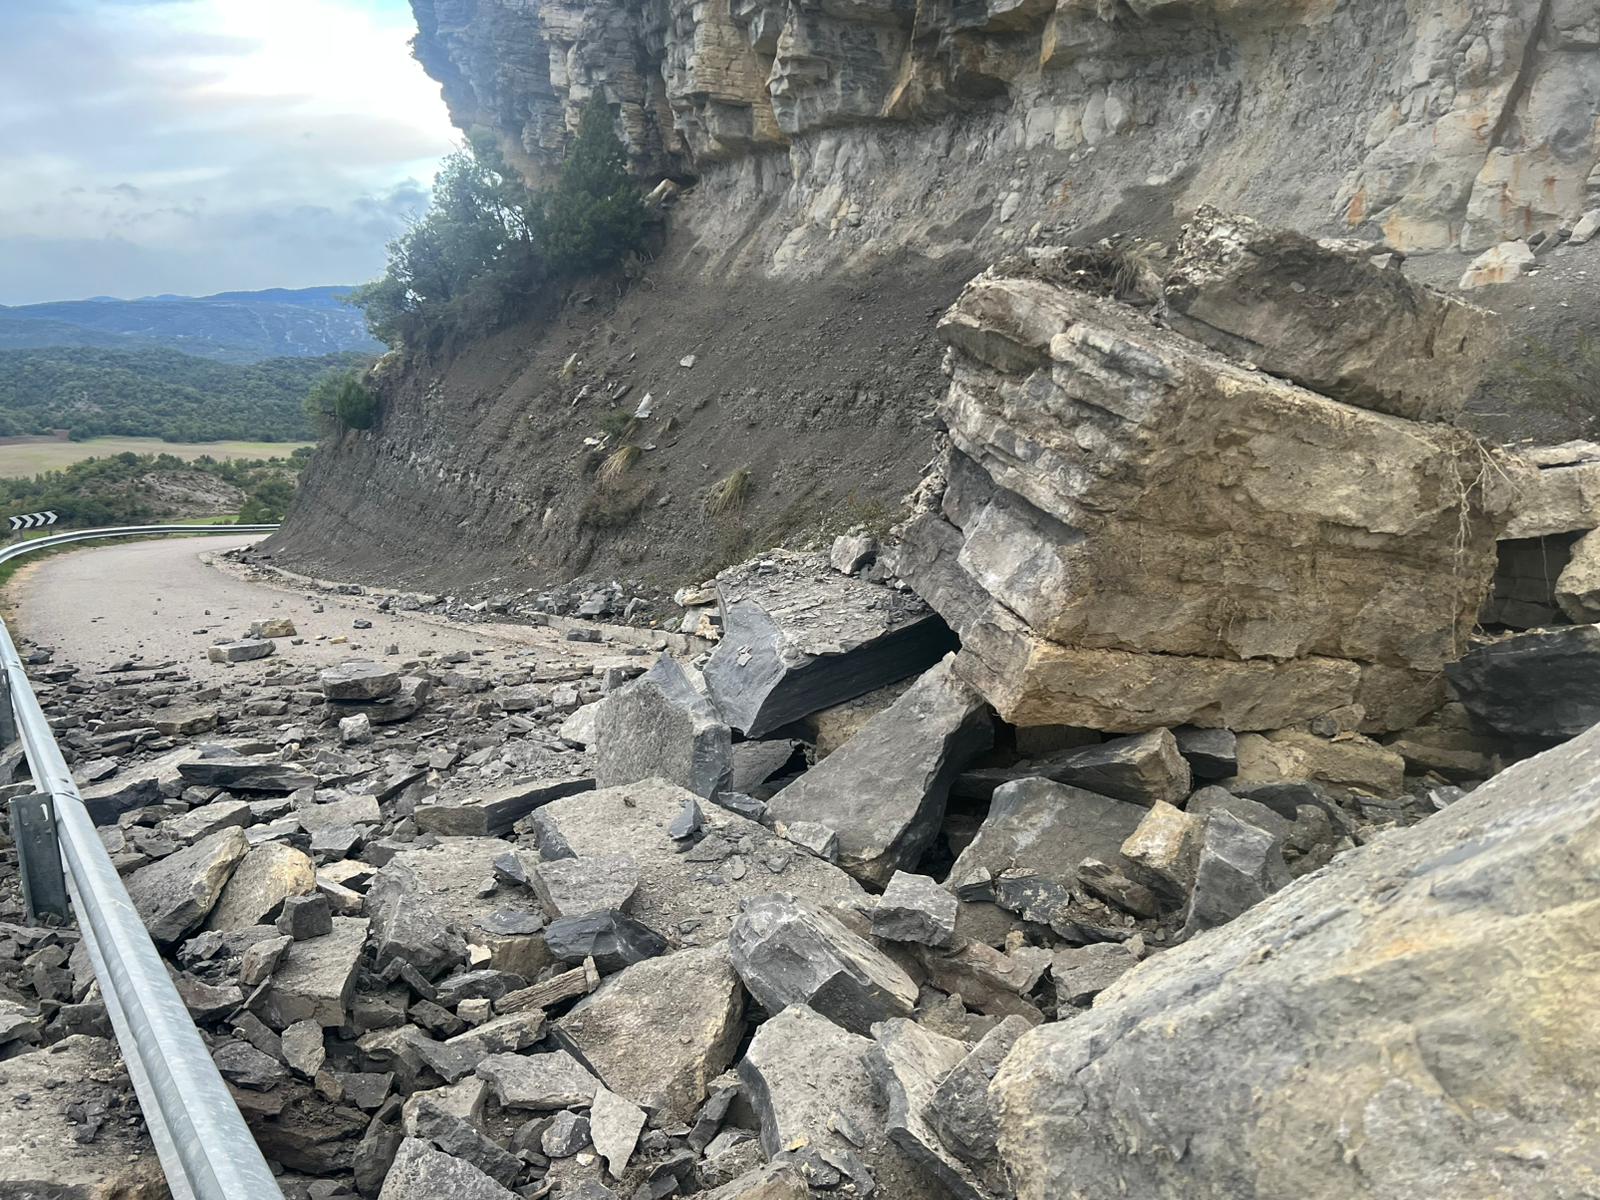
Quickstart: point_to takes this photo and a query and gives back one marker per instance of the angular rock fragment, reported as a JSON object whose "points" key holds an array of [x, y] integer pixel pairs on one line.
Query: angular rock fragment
{"points": [[272, 627], [1211, 753], [306, 917], [961, 1110], [1045, 829], [789, 952], [1377, 990], [317, 977], [243, 1065], [359, 681], [1329, 321], [565, 1135], [1239, 866], [798, 638], [913, 908], [540, 1082], [614, 1128], [1292, 755], [660, 726], [1105, 575], [675, 892], [1145, 769], [613, 939], [1544, 684], [495, 811], [884, 792], [240, 651], [419, 1172], [571, 887], [662, 1029], [908, 1062], [1082, 972], [266, 876], [402, 706], [210, 818], [430, 1120], [246, 773], [173, 896], [1164, 849], [810, 1086]]}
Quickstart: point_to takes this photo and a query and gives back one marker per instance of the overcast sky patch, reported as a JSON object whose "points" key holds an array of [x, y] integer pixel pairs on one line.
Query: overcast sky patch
{"points": [[197, 146]]}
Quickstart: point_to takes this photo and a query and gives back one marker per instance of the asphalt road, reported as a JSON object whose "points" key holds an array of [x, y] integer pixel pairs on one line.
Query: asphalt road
{"points": [[161, 601]]}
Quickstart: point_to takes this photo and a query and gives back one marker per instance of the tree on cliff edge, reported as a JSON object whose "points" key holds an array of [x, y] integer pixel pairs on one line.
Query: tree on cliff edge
{"points": [[593, 216]]}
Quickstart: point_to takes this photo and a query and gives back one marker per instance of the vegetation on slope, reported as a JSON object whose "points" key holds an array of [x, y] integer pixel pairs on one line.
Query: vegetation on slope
{"points": [[487, 244], [157, 393], [131, 488]]}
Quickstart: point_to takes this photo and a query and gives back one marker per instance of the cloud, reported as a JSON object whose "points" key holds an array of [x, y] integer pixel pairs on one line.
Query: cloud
{"points": [[207, 145]]}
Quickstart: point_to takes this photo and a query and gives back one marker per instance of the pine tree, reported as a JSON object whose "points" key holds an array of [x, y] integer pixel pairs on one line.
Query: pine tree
{"points": [[593, 216]]}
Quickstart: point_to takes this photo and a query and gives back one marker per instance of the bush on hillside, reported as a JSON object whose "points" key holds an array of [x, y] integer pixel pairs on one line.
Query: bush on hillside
{"points": [[487, 244], [341, 401], [592, 218]]}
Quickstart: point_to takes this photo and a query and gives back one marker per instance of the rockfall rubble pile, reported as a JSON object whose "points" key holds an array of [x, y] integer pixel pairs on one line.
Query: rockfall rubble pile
{"points": [[1040, 851]]}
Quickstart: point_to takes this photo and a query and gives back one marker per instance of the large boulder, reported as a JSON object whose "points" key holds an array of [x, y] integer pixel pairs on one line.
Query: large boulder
{"points": [[798, 637], [884, 792], [661, 726], [1136, 531], [1409, 1021]]}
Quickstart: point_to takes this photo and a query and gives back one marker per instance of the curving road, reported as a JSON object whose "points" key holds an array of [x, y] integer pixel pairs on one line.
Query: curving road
{"points": [[163, 600]]}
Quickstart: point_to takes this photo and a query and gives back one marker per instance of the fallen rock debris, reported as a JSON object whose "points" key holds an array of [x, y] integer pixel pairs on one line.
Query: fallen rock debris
{"points": [[855, 907]]}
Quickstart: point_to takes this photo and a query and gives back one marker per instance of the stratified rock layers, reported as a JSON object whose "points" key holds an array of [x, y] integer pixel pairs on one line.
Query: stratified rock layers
{"points": [[1463, 124], [1137, 532]]}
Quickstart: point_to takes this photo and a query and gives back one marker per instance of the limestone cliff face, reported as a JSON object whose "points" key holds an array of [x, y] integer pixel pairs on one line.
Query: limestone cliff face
{"points": [[826, 130]]}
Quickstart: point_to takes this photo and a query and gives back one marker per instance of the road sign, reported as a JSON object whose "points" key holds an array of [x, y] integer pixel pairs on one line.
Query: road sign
{"points": [[32, 521]]}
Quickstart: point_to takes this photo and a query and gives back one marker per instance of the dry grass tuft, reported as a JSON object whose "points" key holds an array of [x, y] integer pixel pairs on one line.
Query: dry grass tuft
{"points": [[729, 493]]}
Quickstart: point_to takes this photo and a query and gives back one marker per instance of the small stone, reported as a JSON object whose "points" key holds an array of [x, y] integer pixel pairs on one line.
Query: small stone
{"points": [[306, 917], [241, 651], [566, 1134], [356, 730], [572, 887], [914, 908], [303, 1048], [359, 681], [419, 1172], [538, 1082], [614, 1128], [613, 939]]}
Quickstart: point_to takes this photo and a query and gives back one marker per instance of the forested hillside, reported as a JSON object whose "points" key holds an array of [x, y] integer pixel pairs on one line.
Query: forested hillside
{"points": [[158, 393]]}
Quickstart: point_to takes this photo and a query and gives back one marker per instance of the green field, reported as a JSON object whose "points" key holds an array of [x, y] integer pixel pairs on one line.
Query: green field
{"points": [[25, 457]]}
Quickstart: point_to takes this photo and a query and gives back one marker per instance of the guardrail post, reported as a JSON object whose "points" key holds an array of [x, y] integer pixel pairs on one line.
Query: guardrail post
{"points": [[8, 716], [44, 884]]}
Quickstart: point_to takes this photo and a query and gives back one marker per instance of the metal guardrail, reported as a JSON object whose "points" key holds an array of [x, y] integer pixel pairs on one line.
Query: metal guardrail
{"points": [[205, 1148]]}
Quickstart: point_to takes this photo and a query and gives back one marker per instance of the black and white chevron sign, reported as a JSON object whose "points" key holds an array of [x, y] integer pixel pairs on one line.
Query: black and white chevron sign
{"points": [[32, 521]]}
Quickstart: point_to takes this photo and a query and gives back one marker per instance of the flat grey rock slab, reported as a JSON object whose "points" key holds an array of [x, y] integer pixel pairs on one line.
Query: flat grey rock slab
{"points": [[494, 810], [245, 650], [1146, 768], [690, 897], [570, 887], [420, 1172], [1045, 829], [246, 773], [540, 1082], [789, 952], [359, 680], [41, 1159], [799, 637], [884, 792], [661, 1030], [317, 977]]}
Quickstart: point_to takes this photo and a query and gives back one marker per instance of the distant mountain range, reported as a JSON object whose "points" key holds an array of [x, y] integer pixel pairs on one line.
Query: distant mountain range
{"points": [[236, 327]]}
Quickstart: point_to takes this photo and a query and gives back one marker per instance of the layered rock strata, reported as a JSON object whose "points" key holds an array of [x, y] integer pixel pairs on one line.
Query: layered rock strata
{"points": [[1135, 531]]}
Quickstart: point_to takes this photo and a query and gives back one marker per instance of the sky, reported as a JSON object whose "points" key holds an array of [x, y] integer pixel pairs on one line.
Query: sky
{"points": [[199, 146]]}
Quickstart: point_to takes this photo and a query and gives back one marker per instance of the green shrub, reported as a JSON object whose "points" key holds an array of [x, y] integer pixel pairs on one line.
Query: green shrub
{"points": [[593, 217], [341, 401], [487, 244]]}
